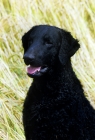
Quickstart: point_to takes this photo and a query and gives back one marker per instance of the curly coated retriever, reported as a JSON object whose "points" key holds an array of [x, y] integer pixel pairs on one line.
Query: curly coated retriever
{"points": [[55, 107]]}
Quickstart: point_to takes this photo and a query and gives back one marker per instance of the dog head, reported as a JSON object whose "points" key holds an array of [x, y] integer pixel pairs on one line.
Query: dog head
{"points": [[44, 45]]}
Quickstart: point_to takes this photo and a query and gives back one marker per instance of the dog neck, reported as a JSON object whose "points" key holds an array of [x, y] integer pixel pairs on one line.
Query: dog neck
{"points": [[50, 80]]}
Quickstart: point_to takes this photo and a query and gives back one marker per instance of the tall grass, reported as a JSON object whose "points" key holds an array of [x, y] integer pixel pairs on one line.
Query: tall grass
{"points": [[17, 17]]}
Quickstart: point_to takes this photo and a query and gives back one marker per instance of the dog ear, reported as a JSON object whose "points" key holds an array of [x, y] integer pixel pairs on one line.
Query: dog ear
{"points": [[68, 47], [25, 39]]}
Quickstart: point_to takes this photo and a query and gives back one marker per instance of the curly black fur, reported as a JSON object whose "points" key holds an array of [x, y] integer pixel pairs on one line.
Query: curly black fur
{"points": [[55, 107]]}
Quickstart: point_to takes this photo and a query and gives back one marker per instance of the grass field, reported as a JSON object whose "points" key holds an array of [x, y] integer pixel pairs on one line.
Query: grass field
{"points": [[17, 17]]}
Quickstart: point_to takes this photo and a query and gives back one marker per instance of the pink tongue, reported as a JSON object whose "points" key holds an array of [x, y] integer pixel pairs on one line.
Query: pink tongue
{"points": [[31, 70]]}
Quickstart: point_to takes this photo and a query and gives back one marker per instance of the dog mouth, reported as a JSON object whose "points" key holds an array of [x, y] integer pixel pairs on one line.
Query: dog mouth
{"points": [[36, 71]]}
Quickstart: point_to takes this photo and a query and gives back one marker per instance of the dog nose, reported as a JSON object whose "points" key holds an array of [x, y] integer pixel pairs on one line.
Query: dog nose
{"points": [[28, 58]]}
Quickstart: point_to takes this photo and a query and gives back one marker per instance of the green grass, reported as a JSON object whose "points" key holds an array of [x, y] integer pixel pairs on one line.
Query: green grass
{"points": [[17, 17]]}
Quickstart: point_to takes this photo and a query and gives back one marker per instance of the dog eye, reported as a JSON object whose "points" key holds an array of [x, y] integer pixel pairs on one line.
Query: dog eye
{"points": [[30, 42], [48, 42]]}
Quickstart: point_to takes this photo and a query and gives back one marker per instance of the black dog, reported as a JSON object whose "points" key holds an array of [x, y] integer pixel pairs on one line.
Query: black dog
{"points": [[55, 107]]}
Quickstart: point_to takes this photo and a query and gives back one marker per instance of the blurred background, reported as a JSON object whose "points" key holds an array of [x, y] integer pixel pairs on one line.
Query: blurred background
{"points": [[16, 18]]}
